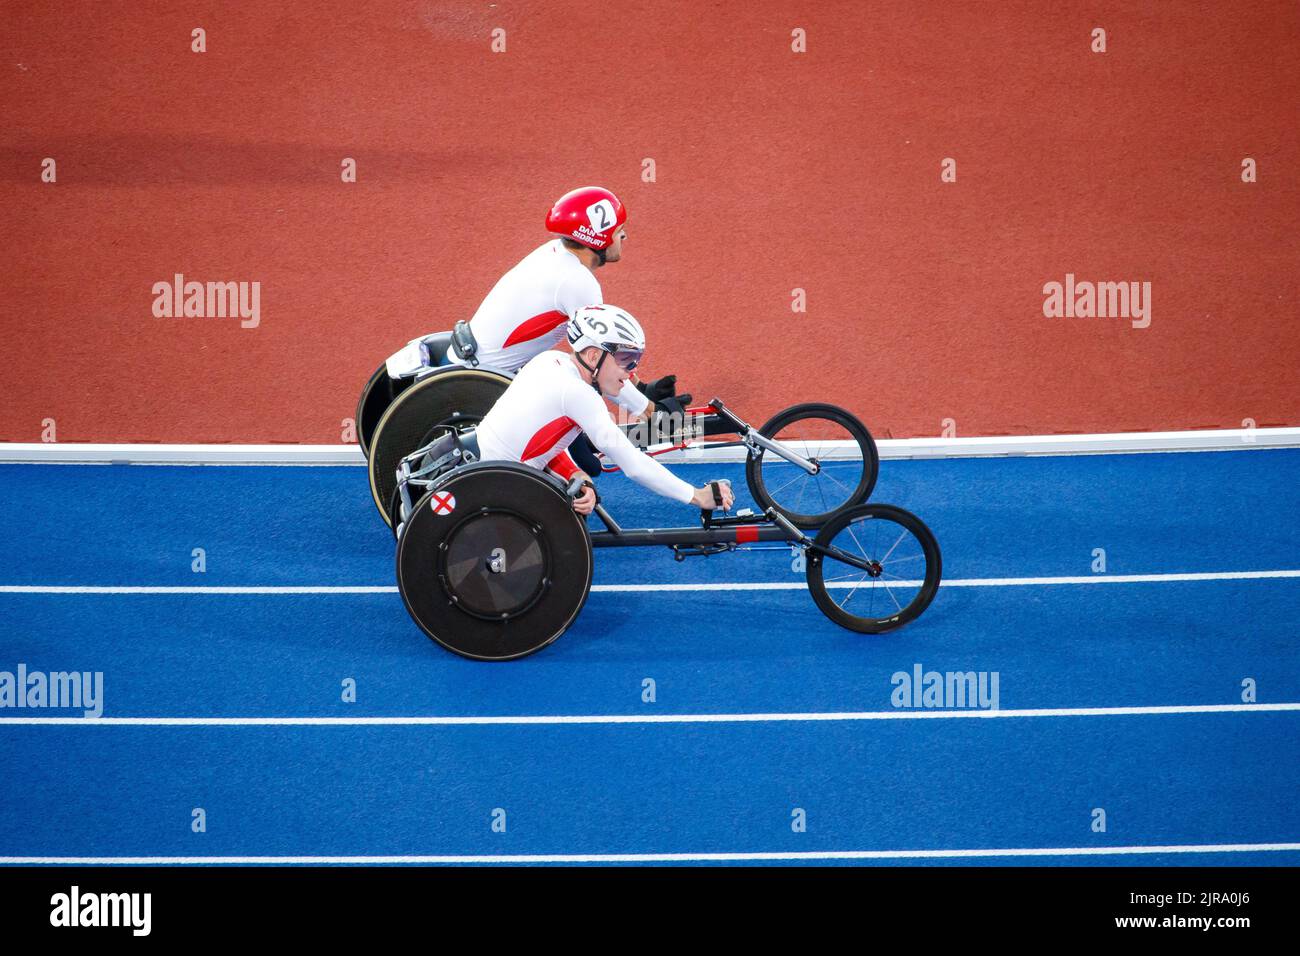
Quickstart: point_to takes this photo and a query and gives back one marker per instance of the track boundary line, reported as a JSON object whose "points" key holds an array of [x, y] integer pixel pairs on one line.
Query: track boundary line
{"points": [[274, 589], [1101, 443], [580, 719], [651, 857]]}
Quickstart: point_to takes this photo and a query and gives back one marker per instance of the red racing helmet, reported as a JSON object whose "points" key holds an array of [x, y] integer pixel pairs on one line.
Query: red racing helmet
{"points": [[589, 215]]}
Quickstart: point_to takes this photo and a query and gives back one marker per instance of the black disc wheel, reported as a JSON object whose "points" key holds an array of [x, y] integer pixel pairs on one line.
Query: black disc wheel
{"points": [[494, 564], [448, 395], [840, 450], [895, 574], [375, 398]]}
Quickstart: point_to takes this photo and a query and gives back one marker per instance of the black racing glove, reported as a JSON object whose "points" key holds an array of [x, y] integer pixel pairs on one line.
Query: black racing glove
{"points": [[659, 389], [670, 418], [674, 405]]}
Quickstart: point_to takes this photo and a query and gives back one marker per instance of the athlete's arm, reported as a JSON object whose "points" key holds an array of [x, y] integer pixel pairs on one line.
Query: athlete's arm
{"points": [[576, 290], [566, 468], [584, 406]]}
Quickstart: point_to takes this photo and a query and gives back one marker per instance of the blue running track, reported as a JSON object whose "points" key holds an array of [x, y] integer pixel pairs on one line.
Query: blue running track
{"points": [[764, 713]]}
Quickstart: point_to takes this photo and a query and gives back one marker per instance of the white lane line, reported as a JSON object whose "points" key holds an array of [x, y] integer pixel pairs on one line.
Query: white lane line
{"points": [[968, 582], [233, 589], [524, 719], [694, 586], [653, 857], [1121, 578]]}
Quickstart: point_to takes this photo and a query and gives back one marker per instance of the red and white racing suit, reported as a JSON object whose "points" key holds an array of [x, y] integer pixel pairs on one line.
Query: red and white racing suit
{"points": [[527, 310], [542, 411]]}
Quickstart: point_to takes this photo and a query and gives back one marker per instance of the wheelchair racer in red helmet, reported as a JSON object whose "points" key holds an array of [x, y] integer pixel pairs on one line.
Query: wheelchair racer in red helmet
{"points": [[526, 312]]}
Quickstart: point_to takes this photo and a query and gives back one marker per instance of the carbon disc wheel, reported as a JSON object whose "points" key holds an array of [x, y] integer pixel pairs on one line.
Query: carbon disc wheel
{"points": [[494, 564], [378, 394], [903, 576], [439, 397], [838, 445]]}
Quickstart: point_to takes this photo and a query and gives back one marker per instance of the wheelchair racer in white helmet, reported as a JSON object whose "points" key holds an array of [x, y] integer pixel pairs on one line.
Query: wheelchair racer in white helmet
{"points": [[548, 404]]}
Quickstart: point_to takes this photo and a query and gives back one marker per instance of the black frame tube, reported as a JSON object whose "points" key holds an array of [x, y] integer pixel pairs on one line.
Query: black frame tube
{"points": [[728, 534], [771, 526]]}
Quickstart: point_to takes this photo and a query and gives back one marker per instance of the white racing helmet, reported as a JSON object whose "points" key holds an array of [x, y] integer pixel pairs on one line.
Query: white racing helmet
{"points": [[610, 329], [607, 327]]}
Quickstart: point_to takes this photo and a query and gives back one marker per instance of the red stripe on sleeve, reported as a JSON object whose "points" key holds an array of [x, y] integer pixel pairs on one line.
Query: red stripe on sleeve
{"points": [[546, 437], [537, 326], [563, 465]]}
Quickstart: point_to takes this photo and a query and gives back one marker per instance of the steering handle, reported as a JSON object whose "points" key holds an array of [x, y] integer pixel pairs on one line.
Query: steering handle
{"points": [[706, 514]]}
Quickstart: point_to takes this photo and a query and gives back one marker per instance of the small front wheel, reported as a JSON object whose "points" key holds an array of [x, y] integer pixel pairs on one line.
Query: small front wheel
{"points": [[896, 575], [838, 446]]}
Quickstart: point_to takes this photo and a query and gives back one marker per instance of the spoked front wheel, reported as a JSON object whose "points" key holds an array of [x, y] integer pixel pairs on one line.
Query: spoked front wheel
{"points": [[840, 451], [896, 575]]}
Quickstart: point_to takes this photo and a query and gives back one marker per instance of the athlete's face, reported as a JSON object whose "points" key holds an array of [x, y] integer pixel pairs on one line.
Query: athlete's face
{"points": [[615, 250], [612, 376]]}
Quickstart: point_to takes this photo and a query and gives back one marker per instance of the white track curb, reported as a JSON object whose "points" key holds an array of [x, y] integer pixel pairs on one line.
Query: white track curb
{"points": [[1234, 439]]}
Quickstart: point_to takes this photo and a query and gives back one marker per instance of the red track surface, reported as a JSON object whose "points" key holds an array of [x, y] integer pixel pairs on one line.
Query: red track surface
{"points": [[774, 171]]}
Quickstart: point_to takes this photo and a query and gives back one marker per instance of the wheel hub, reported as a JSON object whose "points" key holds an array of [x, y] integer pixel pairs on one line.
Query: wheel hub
{"points": [[494, 565]]}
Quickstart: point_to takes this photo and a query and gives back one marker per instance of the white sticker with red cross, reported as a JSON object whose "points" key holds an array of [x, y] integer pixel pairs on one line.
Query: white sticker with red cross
{"points": [[443, 502]]}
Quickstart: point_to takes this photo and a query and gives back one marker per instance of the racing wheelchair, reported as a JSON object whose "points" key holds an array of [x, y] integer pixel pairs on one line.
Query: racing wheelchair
{"points": [[493, 563], [410, 365], [417, 395], [814, 457], [808, 460]]}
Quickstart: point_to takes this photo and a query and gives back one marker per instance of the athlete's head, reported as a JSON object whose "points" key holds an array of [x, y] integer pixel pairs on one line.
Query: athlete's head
{"points": [[608, 343], [593, 218]]}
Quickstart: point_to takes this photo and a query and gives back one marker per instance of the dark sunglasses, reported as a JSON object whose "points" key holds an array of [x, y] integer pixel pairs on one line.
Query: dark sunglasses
{"points": [[627, 359]]}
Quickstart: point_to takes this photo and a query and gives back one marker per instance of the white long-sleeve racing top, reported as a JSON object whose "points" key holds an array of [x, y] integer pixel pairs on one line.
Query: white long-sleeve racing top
{"points": [[543, 410], [526, 312]]}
